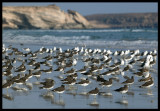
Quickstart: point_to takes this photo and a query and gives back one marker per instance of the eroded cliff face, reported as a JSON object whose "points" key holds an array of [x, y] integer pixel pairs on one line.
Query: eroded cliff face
{"points": [[42, 17]]}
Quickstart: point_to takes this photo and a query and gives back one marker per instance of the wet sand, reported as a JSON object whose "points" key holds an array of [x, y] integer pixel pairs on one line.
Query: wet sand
{"points": [[74, 98]]}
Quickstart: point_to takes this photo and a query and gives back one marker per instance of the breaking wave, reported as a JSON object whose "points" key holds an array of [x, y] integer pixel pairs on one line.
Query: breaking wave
{"points": [[112, 38], [79, 41]]}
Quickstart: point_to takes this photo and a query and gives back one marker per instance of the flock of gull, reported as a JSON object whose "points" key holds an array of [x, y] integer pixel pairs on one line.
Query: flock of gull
{"points": [[103, 67]]}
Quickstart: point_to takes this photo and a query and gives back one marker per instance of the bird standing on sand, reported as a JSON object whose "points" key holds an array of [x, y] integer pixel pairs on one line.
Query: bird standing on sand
{"points": [[94, 92], [59, 90], [147, 84], [48, 84], [8, 85], [84, 83], [129, 80], [107, 83], [122, 90]]}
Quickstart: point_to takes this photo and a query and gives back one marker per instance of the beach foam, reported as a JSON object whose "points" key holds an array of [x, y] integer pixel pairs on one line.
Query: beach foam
{"points": [[109, 38]]}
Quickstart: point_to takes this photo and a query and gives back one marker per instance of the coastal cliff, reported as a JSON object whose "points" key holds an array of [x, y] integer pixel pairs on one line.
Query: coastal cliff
{"points": [[52, 17], [42, 17]]}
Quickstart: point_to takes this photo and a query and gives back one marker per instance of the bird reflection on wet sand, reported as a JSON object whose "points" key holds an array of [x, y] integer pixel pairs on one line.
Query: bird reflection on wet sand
{"points": [[8, 97], [122, 102], [60, 101], [48, 96], [94, 103]]}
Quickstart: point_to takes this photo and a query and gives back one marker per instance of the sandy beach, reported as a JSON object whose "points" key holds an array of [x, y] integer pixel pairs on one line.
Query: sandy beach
{"points": [[74, 96]]}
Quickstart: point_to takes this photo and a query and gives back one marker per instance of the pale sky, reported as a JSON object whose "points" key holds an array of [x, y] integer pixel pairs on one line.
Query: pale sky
{"points": [[88, 8]]}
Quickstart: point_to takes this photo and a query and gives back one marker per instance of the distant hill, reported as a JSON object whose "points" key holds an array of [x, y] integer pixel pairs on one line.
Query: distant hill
{"points": [[128, 20]]}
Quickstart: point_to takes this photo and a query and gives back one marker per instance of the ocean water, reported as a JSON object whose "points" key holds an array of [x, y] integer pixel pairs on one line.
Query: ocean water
{"points": [[110, 39], [104, 38]]}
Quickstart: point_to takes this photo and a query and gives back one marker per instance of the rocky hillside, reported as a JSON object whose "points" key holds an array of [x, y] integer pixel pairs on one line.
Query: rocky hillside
{"points": [[52, 17], [130, 20], [42, 17]]}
